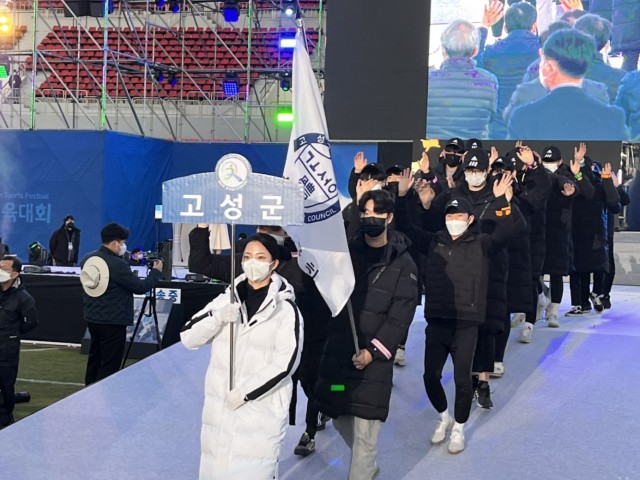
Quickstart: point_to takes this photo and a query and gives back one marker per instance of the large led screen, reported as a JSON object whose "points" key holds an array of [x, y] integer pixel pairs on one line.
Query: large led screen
{"points": [[533, 71]]}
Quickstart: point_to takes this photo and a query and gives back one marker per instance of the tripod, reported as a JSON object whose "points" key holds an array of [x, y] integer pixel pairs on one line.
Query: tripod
{"points": [[150, 303]]}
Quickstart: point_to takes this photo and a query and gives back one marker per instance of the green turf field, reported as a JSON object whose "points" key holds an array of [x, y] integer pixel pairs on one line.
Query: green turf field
{"points": [[49, 374]]}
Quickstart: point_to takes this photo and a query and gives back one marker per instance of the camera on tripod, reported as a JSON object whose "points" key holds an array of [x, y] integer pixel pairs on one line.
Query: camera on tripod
{"points": [[152, 257]]}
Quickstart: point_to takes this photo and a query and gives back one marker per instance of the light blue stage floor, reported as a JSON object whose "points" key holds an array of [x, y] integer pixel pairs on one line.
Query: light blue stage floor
{"points": [[567, 408]]}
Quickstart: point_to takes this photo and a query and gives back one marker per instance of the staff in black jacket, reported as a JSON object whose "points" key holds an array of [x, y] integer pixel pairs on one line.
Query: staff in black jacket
{"points": [[590, 237], [18, 315], [353, 389], [64, 243], [457, 282], [557, 260], [109, 285]]}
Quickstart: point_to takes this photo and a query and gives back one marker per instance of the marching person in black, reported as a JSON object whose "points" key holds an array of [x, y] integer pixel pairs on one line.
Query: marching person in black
{"points": [[457, 279], [109, 285], [602, 282], [557, 261], [589, 236], [64, 244], [478, 191], [18, 316], [353, 389], [449, 171]]}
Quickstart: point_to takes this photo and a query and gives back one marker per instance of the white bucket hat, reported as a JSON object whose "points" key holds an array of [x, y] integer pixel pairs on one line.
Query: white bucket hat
{"points": [[94, 276]]}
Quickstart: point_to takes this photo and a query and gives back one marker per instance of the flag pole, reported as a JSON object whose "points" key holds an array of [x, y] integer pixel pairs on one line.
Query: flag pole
{"points": [[353, 327], [232, 295]]}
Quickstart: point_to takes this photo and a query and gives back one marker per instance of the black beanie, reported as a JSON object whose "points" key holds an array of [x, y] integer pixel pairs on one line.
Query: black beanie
{"points": [[113, 231], [268, 242]]}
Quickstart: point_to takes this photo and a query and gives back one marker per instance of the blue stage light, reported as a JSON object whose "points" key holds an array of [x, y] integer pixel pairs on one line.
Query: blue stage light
{"points": [[230, 85], [287, 42], [231, 11]]}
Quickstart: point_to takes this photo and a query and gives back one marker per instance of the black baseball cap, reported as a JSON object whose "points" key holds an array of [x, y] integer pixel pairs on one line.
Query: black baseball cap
{"points": [[504, 164], [455, 143], [394, 170], [458, 205], [551, 154], [473, 143], [477, 159]]}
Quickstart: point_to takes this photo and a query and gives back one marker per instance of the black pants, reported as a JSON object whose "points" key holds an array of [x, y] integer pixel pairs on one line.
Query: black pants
{"points": [[8, 376], [630, 62], [556, 288], [502, 339], [579, 284], [602, 282], [442, 341], [309, 365], [105, 354], [485, 353]]}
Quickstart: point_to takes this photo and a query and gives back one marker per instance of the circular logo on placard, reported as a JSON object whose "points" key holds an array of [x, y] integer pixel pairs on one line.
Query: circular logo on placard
{"points": [[233, 171]]}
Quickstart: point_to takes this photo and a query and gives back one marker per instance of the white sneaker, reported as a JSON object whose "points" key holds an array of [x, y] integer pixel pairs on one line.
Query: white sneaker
{"points": [[456, 443], [446, 421], [552, 315], [517, 319], [527, 332], [543, 303], [498, 370], [400, 358]]}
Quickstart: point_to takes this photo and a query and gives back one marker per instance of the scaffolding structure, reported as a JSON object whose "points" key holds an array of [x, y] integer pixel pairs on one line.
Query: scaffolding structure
{"points": [[148, 71]]}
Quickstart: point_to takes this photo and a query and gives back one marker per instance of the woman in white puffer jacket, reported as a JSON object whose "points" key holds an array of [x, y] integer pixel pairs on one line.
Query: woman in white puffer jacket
{"points": [[243, 428]]}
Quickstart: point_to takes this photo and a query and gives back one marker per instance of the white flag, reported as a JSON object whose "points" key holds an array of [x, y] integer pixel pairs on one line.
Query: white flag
{"points": [[324, 253]]}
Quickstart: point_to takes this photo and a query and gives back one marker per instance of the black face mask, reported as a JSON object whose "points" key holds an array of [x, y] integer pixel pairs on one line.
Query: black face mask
{"points": [[452, 160], [70, 226], [373, 226]]}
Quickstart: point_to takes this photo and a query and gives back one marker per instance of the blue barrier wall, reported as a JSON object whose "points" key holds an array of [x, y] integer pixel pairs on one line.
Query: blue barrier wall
{"points": [[102, 177]]}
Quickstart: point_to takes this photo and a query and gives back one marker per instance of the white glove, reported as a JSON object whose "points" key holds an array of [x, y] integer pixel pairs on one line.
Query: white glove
{"points": [[234, 399], [229, 313]]}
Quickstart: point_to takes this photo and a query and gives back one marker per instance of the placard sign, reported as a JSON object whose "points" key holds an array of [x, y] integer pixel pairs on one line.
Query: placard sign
{"points": [[232, 194]]}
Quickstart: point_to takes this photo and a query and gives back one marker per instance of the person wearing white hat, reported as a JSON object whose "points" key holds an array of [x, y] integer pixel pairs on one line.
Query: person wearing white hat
{"points": [[109, 285]]}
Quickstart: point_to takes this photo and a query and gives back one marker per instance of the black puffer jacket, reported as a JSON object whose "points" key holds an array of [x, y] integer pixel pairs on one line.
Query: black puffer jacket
{"points": [[18, 315], [115, 306], [557, 259], [384, 302], [485, 222], [626, 25], [589, 227], [457, 273]]}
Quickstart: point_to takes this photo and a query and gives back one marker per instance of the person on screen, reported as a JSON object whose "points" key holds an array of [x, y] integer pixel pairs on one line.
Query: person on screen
{"points": [[600, 30], [64, 244], [629, 100], [625, 37], [109, 284], [509, 58], [567, 112], [18, 316], [461, 98], [243, 425], [533, 89]]}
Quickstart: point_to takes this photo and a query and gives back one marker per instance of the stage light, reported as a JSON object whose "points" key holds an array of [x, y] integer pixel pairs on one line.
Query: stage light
{"points": [[160, 76], [174, 6], [173, 80], [289, 7], [230, 85], [285, 116], [160, 3], [285, 81], [4, 71], [287, 42], [5, 24], [37, 254], [231, 11]]}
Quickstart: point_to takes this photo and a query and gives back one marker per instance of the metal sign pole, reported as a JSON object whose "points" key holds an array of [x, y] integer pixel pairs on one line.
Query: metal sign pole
{"points": [[232, 293]]}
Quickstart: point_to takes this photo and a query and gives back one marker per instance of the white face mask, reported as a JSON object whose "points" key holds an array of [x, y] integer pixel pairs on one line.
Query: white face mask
{"points": [[256, 270], [279, 239], [552, 167], [456, 227], [377, 186], [123, 249], [475, 179], [4, 276]]}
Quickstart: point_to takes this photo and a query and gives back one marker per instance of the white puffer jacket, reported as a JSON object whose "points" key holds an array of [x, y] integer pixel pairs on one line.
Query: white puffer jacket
{"points": [[244, 443]]}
